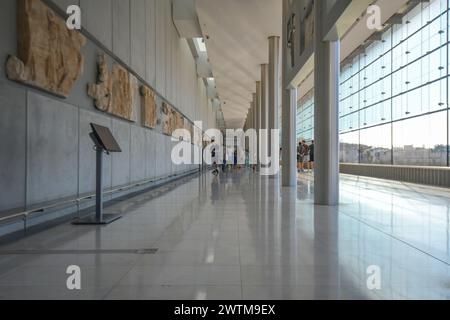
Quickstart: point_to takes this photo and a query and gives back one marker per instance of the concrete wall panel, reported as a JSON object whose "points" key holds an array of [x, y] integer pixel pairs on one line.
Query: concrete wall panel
{"points": [[13, 147], [169, 52], [97, 19], [121, 161], [160, 48], [150, 26], [52, 149], [138, 155], [160, 155], [64, 4], [121, 29], [150, 149], [138, 37]]}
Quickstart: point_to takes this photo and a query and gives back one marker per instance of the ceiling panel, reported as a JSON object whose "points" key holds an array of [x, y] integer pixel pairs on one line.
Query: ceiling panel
{"points": [[238, 32]]}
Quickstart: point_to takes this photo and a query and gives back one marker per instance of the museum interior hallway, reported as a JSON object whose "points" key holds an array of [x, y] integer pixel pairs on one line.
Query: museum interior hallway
{"points": [[242, 236]]}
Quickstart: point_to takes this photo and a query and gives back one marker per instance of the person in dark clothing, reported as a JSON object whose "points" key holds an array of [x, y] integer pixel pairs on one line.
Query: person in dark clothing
{"points": [[311, 156], [214, 158], [305, 155]]}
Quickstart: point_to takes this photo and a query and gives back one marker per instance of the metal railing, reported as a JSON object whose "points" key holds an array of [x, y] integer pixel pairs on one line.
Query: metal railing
{"points": [[432, 176]]}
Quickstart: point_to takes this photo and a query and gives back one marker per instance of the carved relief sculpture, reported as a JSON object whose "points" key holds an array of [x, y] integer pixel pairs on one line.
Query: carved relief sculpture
{"points": [[173, 121], [149, 116], [309, 29], [167, 113], [115, 92], [179, 121], [48, 53]]}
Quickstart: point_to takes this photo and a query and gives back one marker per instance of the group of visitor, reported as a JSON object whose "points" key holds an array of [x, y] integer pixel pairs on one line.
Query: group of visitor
{"points": [[230, 159], [305, 156]]}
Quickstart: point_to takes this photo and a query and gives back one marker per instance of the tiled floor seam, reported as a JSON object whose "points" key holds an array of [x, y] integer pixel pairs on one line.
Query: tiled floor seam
{"points": [[395, 238]]}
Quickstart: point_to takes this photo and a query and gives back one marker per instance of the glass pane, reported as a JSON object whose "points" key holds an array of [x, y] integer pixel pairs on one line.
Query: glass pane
{"points": [[375, 145], [349, 147], [421, 141]]}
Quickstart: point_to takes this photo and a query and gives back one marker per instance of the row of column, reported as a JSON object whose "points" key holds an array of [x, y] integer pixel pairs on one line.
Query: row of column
{"points": [[326, 111], [263, 112]]}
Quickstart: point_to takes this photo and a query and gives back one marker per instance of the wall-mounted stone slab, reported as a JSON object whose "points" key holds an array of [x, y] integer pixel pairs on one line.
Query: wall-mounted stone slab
{"points": [[116, 91], [167, 116], [309, 29], [173, 121], [149, 115], [179, 121], [48, 53]]}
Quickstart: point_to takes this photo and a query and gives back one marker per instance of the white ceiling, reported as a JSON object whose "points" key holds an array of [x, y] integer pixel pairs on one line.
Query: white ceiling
{"points": [[238, 33]]}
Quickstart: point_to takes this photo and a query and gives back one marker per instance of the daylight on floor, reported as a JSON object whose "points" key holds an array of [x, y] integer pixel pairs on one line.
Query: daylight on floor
{"points": [[217, 150]]}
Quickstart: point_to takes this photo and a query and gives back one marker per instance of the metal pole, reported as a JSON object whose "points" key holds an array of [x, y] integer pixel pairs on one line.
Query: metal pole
{"points": [[99, 186]]}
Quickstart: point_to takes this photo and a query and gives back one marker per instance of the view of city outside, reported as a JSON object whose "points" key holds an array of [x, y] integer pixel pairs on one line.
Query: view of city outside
{"points": [[394, 104]]}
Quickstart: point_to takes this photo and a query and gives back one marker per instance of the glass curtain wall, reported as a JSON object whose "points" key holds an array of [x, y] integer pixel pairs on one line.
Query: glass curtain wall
{"points": [[394, 104], [305, 117]]}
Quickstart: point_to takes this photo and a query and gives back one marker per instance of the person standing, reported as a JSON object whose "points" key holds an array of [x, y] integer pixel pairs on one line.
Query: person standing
{"points": [[304, 156], [311, 156], [225, 158], [299, 156], [214, 159]]}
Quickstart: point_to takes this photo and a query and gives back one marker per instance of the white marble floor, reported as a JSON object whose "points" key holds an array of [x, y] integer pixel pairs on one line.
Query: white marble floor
{"points": [[241, 236]]}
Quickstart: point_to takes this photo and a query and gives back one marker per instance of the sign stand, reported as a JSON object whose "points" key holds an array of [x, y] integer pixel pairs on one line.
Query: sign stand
{"points": [[104, 143]]}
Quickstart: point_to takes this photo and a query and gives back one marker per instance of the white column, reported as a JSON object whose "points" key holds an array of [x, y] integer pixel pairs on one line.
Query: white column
{"points": [[289, 95], [289, 138], [254, 111], [254, 119], [264, 96], [258, 105], [273, 88], [258, 115], [248, 125], [326, 118]]}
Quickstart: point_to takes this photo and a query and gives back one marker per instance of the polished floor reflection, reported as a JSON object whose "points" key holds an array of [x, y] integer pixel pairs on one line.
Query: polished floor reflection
{"points": [[242, 236]]}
